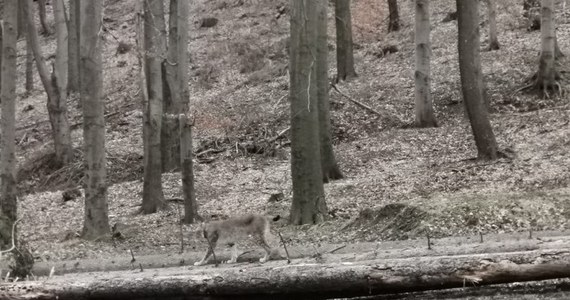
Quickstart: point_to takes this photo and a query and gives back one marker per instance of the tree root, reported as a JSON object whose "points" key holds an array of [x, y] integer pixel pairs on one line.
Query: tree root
{"points": [[536, 84]]}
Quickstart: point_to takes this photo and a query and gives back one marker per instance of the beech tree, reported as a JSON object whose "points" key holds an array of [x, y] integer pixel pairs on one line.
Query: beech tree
{"points": [[423, 100], [96, 220], [492, 16], [8, 200], [344, 51], [154, 43], [329, 165], [73, 46], [394, 16], [308, 206], [55, 84], [43, 17], [472, 78], [547, 74]]}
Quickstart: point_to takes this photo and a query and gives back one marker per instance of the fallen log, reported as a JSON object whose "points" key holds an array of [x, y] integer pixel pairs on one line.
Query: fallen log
{"points": [[303, 278]]}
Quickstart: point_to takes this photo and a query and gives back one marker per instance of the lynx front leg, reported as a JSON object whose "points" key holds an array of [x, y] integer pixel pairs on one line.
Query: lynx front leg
{"points": [[208, 253]]}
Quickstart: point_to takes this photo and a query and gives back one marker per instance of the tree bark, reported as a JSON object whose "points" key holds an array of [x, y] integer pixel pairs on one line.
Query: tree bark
{"points": [[8, 200], [187, 169], [73, 46], [43, 17], [424, 107], [329, 165], [344, 51], [29, 64], [169, 142], [472, 78], [54, 85], [308, 205], [154, 41], [96, 221], [492, 16], [307, 281], [394, 16], [546, 76]]}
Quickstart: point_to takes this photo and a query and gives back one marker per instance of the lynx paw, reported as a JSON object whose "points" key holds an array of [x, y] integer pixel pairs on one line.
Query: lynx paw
{"points": [[263, 259]]}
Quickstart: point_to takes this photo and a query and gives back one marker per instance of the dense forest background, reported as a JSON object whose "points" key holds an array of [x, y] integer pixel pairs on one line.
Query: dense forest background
{"points": [[400, 182]]}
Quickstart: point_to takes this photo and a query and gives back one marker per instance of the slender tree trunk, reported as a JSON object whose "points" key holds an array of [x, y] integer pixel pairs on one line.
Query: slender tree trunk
{"points": [[308, 205], [154, 40], [344, 51], [73, 46], [96, 221], [190, 204], [329, 165], [43, 17], [8, 205], [29, 65], [394, 22], [492, 16], [54, 86], [546, 76], [170, 142], [21, 20], [472, 78], [424, 107]]}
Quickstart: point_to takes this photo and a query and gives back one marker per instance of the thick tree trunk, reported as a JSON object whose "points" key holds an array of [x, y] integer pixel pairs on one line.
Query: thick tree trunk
{"points": [[394, 17], [308, 205], [55, 87], [546, 76], [492, 16], [307, 281], [96, 221], [344, 51], [169, 142], [73, 46], [155, 43], [472, 78], [424, 106], [329, 165], [43, 17], [8, 200]]}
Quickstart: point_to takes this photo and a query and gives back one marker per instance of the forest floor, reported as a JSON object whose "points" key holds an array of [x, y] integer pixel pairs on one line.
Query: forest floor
{"points": [[400, 182]]}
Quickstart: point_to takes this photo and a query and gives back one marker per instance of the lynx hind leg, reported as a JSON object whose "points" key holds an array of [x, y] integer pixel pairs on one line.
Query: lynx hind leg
{"points": [[234, 257]]}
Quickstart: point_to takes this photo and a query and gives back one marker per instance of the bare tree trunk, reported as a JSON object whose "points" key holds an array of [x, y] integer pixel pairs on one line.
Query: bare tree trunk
{"points": [[329, 165], [394, 23], [54, 85], [170, 142], [424, 106], [187, 169], [43, 17], [472, 78], [96, 221], [154, 41], [21, 20], [308, 206], [344, 51], [29, 64], [547, 73], [73, 46], [492, 15], [8, 200]]}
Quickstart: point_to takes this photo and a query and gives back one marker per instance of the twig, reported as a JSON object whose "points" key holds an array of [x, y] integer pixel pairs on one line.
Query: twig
{"points": [[280, 134], [13, 238], [133, 256], [284, 246], [336, 249], [181, 232], [362, 105], [428, 240]]}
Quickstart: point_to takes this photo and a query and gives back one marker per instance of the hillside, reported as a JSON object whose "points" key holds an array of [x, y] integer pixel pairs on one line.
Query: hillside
{"points": [[400, 182]]}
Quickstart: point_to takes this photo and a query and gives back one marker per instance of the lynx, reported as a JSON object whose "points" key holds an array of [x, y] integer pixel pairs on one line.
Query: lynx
{"points": [[234, 229]]}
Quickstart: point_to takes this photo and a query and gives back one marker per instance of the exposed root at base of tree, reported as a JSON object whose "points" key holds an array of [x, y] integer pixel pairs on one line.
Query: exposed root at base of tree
{"points": [[536, 84]]}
